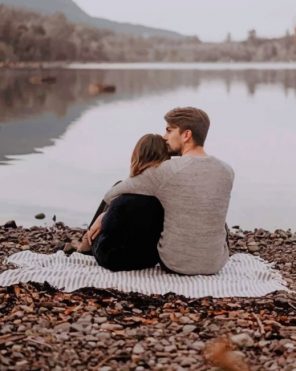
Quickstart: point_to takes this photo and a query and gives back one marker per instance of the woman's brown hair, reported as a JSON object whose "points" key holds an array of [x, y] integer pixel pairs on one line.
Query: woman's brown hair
{"points": [[150, 150]]}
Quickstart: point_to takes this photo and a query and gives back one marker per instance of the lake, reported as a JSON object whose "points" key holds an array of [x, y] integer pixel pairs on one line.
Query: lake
{"points": [[61, 147]]}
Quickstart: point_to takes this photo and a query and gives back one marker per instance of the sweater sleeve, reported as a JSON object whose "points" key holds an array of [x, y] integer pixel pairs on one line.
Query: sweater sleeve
{"points": [[148, 183]]}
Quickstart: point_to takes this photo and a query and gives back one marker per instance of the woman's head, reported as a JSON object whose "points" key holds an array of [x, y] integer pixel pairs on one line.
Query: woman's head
{"points": [[150, 150]]}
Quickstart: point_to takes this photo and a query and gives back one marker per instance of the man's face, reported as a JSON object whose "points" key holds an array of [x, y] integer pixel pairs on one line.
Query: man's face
{"points": [[174, 140]]}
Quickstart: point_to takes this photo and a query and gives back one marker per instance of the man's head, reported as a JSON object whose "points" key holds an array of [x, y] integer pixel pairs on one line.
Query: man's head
{"points": [[186, 127]]}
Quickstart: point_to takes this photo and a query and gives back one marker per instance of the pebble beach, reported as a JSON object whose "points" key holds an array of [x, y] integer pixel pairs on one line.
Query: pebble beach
{"points": [[42, 328]]}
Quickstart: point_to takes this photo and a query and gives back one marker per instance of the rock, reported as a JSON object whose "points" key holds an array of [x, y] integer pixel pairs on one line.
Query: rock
{"points": [[40, 216], [5, 361], [185, 320], [198, 345], [289, 346], [281, 302], [242, 340], [16, 348], [103, 336], [6, 329], [170, 348], [253, 247], [100, 319], [21, 328], [77, 327], [187, 361], [63, 327], [85, 319], [188, 328], [22, 363], [213, 328], [138, 349], [111, 327], [137, 311], [10, 224]]}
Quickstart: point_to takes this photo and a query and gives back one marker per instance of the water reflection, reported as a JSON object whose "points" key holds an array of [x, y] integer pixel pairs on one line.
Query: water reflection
{"points": [[252, 112], [19, 98], [31, 116]]}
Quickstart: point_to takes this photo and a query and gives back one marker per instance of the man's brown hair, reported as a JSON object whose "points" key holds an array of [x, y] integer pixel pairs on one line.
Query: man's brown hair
{"points": [[190, 118], [150, 150]]}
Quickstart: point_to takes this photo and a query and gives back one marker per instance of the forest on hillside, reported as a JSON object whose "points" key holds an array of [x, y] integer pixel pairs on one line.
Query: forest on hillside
{"points": [[28, 36]]}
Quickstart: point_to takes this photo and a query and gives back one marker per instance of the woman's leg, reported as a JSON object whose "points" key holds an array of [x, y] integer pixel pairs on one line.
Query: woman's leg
{"points": [[84, 246]]}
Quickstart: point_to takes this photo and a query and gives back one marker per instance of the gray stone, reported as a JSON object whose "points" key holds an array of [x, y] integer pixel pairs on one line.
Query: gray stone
{"points": [[62, 327], [103, 335], [85, 319], [242, 340], [100, 320], [213, 328], [188, 328], [187, 361], [40, 216], [253, 247], [185, 320], [62, 337], [111, 327], [198, 345], [170, 348], [138, 349], [6, 329], [77, 327]]}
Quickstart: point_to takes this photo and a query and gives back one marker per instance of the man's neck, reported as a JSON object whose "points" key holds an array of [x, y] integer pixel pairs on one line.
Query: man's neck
{"points": [[194, 151]]}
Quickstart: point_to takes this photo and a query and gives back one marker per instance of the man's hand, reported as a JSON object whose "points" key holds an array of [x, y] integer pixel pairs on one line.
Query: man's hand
{"points": [[95, 229]]}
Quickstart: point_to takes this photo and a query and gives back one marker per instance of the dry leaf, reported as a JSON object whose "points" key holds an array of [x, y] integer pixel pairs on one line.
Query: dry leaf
{"points": [[219, 353]]}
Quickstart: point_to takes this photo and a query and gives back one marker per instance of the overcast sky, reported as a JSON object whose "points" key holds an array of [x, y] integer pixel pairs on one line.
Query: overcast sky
{"points": [[211, 20]]}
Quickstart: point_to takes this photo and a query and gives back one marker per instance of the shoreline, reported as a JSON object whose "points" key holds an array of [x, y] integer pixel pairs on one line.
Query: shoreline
{"points": [[235, 228], [162, 65], [10, 66]]}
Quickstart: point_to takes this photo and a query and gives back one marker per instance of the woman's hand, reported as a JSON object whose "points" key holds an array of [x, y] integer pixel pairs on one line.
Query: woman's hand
{"points": [[95, 229]]}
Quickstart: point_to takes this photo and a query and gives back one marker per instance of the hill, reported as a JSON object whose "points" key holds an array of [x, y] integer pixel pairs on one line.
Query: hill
{"points": [[75, 14]]}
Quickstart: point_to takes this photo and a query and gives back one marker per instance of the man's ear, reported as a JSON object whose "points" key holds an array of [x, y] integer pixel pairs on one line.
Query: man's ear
{"points": [[187, 135]]}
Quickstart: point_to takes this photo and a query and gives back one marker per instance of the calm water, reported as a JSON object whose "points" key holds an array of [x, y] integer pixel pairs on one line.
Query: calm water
{"points": [[61, 148]]}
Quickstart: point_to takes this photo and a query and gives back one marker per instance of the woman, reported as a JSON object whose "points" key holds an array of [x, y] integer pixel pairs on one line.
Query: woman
{"points": [[131, 227]]}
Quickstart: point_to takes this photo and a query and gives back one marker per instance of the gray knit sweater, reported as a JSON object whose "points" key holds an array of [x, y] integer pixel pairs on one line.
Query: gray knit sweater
{"points": [[194, 192]]}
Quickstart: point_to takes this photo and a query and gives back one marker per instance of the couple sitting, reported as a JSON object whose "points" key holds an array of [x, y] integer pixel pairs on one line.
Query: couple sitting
{"points": [[169, 211]]}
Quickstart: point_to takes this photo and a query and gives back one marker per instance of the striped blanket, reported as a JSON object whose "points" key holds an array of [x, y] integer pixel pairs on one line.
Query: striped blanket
{"points": [[244, 275]]}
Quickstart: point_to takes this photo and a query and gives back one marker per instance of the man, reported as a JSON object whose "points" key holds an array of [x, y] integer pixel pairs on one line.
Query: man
{"points": [[194, 190]]}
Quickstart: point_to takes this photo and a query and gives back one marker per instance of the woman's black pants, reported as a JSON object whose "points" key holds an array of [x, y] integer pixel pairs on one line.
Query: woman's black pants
{"points": [[129, 234]]}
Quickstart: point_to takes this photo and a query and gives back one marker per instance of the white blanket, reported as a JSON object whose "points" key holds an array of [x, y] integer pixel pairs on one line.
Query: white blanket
{"points": [[244, 275]]}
